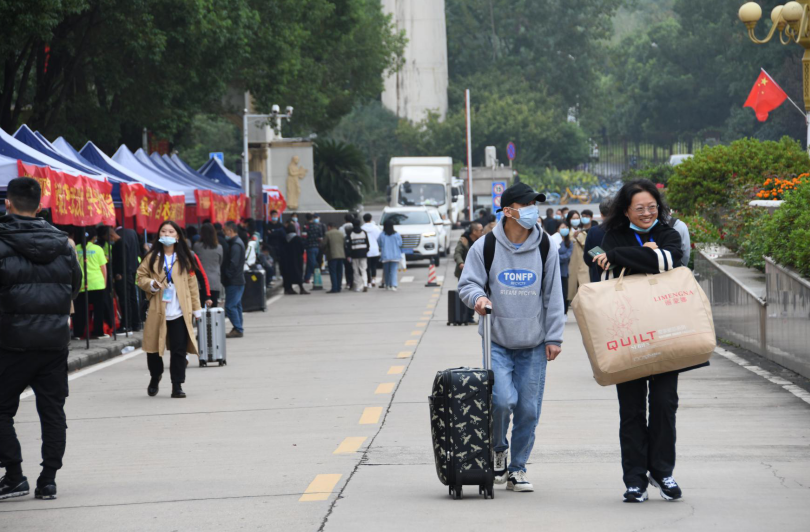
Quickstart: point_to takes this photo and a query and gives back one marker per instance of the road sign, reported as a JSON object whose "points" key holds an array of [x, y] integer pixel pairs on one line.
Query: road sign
{"points": [[498, 188], [217, 155], [510, 151]]}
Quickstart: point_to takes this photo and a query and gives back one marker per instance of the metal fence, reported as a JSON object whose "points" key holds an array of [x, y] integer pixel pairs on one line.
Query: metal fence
{"points": [[739, 315], [788, 318], [611, 157]]}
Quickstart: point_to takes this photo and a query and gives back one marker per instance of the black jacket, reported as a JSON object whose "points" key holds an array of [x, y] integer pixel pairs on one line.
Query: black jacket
{"points": [[235, 269], [624, 250], [39, 277], [357, 244], [129, 242], [595, 236]]}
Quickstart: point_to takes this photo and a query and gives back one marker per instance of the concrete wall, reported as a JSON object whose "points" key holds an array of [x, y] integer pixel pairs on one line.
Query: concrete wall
{"points": [[281, 153], [421, 84]]}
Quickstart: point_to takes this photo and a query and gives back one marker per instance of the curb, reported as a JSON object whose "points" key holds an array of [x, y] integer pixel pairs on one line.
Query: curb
{"points": [[80, 358]]}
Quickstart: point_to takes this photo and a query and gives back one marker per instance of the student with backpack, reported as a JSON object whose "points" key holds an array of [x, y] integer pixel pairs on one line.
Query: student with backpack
{"points": [[516, 271]]}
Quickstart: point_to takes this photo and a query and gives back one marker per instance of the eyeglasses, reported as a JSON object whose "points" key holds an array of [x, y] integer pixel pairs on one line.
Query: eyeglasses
{"points": [[652, 209]]}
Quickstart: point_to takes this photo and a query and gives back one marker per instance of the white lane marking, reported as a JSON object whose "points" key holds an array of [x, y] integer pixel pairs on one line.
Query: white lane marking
{"points": [[407, 279], [92, 369], [799, 392]]}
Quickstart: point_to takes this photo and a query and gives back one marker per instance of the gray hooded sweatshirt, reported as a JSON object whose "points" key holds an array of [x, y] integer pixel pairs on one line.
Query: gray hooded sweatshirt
{"points": [[524, 313]]}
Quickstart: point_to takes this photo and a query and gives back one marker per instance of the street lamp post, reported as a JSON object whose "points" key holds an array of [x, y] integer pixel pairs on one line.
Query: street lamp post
{"points": [[792, 22], [273, 118]]}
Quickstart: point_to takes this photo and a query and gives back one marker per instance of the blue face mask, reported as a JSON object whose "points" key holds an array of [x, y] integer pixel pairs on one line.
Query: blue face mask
{"points": [[528, 216], [638, 229], [564, 231], [575, 222], [167, 240], [585, 220], [274, 218], [557, 217], [295, 218]]}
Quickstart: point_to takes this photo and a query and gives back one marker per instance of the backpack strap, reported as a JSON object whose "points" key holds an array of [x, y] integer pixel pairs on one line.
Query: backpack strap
{"points": [[489, 254]]}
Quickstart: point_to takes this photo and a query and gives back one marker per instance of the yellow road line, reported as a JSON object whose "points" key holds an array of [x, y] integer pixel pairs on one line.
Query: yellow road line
{"points": [[371, 415], [396, 370], [385, 387], [422, 324], [411, 342], [404, 354], [416, 333], [350, 445], [432, 305], [427, 313], [437, 289], [321, 488]]}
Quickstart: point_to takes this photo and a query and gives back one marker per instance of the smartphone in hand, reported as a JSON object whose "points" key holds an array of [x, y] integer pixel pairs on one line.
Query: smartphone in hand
{"points": [[598, 251]]}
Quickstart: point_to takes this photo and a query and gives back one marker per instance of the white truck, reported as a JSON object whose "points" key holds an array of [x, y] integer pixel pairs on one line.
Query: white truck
{"points": [[423, 181]]}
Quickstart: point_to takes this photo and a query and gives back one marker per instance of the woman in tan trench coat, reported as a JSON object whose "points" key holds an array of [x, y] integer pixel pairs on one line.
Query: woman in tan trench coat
{"points": [[578, 272], [165, 275]]}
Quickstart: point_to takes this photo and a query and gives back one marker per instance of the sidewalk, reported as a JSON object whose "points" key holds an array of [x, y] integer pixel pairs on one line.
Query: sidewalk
{"points": [[100, 350]]}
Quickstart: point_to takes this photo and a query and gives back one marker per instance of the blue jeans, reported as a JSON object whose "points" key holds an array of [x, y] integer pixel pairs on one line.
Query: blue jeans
{"points": [[520, 378], [390, 273], [312, 262], [233, 305], [336, 274]]}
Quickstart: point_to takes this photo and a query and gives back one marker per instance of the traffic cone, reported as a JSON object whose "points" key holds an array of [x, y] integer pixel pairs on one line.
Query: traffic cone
{"points": [[432, 275], [317, 283]]}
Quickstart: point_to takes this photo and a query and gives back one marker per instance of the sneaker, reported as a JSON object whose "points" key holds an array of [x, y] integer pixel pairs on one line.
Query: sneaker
{"points": [[518, 482], [46, 492], [500, 467], [635, 495], [670, 490], [234, 334], [9, 490], [365, 289], [393, 288]]}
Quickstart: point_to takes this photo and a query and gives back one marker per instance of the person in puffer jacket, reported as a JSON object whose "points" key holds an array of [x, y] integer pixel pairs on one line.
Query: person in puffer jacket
{"points": [[39, 277]]}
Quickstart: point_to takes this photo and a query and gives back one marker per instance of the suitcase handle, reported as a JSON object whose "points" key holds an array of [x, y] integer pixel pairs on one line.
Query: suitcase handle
{"points": [[488, 338]]}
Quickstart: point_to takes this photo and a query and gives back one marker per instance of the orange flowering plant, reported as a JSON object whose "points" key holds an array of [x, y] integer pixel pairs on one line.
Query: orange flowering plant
{"points": [[775, 187]]}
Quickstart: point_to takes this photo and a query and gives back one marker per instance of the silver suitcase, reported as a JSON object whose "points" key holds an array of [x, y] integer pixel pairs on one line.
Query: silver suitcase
{"points": [[211, 337]]}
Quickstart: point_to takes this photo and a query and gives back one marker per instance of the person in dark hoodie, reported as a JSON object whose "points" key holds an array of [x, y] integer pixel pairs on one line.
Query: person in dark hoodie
{"points": [[40, 277], [527, 323], [293, 262]]}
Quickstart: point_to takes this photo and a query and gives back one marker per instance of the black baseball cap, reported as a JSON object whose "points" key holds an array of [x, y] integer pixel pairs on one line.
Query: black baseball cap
{"points": [[520, 193]]}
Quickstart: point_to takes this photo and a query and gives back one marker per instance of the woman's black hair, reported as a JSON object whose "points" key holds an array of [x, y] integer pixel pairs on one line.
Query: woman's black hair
{"points": [[181, 250], [208, 236], [617, 219], [388, 227]]}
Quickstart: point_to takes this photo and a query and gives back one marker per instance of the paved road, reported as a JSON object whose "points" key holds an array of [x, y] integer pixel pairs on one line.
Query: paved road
{"points": [[254, 445]]}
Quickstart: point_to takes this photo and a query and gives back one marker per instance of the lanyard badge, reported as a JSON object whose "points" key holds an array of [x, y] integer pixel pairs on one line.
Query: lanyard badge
{"points": [[168, 292]]}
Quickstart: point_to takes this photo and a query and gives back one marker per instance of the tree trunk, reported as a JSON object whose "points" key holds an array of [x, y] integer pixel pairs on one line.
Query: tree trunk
{"points": [[374, 170]]}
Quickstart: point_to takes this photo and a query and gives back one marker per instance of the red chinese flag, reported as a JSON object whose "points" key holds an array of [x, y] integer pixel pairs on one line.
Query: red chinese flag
{"points": [[765, 96]]}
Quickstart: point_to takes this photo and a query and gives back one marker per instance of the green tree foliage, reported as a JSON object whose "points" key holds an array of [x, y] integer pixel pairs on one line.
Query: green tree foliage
{"points": [[372, 128], [341, 173], [211, 134], [104, 69], [787, 231], [703, 183]]}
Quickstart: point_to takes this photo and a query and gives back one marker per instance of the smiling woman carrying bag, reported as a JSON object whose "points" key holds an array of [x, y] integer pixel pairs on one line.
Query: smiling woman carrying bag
{"points": [[165, 275], [641, 329]]}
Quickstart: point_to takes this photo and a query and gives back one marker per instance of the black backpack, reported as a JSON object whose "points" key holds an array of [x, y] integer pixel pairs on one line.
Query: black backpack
{"points": [[489, 254]]}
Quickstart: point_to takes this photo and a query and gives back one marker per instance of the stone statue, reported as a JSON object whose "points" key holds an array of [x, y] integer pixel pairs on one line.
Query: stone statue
{"points": [[294, 174]]}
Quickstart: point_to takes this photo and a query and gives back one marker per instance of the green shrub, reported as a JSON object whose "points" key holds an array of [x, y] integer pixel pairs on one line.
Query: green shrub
{"points": [[553, 180], [701, 231], [754, 243], [657, 173], [787, 231], [701, 183]]}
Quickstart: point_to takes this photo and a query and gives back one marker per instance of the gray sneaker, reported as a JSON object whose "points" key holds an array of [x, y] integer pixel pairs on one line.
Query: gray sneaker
{"points": [[499, 467], [519, 482]]}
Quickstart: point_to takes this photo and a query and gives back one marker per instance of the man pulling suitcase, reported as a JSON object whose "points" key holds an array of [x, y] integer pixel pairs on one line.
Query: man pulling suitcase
{"points": [[525, 293]]}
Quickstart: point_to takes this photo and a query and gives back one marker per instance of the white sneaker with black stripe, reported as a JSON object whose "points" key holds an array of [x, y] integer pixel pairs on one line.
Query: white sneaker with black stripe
{"points": [[499, 467], [518, 482]]}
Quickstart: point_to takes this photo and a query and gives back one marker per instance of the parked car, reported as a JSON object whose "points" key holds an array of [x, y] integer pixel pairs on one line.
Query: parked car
{"points": [[675, 160], [443, 228], [420, 237]]}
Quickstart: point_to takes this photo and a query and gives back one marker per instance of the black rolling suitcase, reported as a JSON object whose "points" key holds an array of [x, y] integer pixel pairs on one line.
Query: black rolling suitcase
{"points": [[457, 312], [255, 295], [461, 425]]}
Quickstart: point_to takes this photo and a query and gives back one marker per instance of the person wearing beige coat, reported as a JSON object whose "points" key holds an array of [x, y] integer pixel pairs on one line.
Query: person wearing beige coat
{"points": [[165, 276]]}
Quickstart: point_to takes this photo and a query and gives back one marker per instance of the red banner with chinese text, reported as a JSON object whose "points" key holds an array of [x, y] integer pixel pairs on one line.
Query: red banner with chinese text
{"points": [[274, 200], [203, 199], [152, 208], [73, 200]]}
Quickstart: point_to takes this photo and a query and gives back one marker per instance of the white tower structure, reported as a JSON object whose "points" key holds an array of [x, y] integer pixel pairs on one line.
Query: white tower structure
{"points": [[421, 85]]}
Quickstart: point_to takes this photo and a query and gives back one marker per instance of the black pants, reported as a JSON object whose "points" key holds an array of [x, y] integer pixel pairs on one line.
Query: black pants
{"points": [[97, 298], [565, 292], [349, 271], [373, 262], [214, 298], [46, 373], [177, 342], [648, 445], [131, 298]]}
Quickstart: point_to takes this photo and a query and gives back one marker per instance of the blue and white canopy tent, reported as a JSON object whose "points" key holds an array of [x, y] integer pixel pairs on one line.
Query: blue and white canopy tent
{"points": [[214, 169]]}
